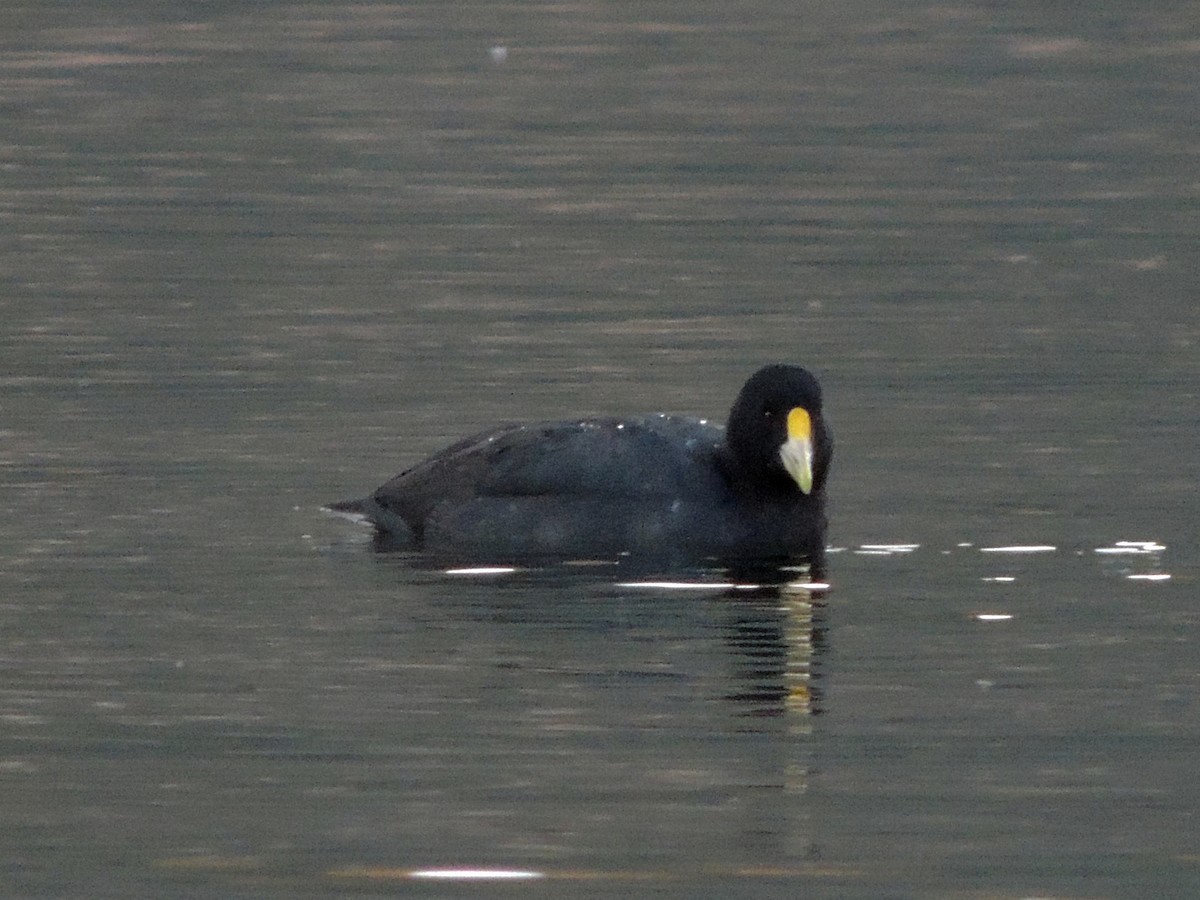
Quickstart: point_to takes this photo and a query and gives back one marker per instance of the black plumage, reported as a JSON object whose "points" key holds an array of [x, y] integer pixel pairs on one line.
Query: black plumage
{"points": [[655, 485]]}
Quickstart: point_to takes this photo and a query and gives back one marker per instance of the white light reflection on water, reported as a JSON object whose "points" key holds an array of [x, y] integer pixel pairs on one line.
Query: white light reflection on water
{"points": [[1116, 550], [476, 874], [1133, 548], [1122, 556], [885, 549], [809, 585], [1021, 548], [1149, 552]]}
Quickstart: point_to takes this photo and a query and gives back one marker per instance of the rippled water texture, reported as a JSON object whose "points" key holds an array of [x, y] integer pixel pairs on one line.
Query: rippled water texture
{"points": [[257, 257]]}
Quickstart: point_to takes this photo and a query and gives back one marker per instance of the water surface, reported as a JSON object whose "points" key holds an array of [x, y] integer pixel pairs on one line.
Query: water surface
{"points": [[256, 260]]}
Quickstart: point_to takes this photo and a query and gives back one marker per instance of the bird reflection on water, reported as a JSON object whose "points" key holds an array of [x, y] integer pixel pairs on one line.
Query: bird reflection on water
{"points": [[778, 641], [772, 621]]}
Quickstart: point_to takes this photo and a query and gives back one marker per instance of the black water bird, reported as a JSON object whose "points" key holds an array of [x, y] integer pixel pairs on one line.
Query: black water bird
{"points": [[658, 486]]}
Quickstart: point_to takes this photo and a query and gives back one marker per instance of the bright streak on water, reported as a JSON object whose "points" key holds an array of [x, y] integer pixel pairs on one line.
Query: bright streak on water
{"points": [[1155, 576], [483, 570], [993, 617], [809, 585], [476, 874], [1001, 579], [1133, 548], [1020, 548]]}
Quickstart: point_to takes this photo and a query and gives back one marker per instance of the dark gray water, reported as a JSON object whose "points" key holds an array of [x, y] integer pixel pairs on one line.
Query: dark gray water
{"points": [[259, 257]]}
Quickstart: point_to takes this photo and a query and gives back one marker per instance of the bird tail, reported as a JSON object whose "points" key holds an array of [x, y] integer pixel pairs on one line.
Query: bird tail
{"points": [[354, 509], [391, 531]]}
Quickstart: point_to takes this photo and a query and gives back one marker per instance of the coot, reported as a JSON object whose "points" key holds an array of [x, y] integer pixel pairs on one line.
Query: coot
{"points": [[654, 485]]}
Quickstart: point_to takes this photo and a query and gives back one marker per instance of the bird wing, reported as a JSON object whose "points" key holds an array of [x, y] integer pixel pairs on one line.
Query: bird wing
{"points": [[653, 456]]}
